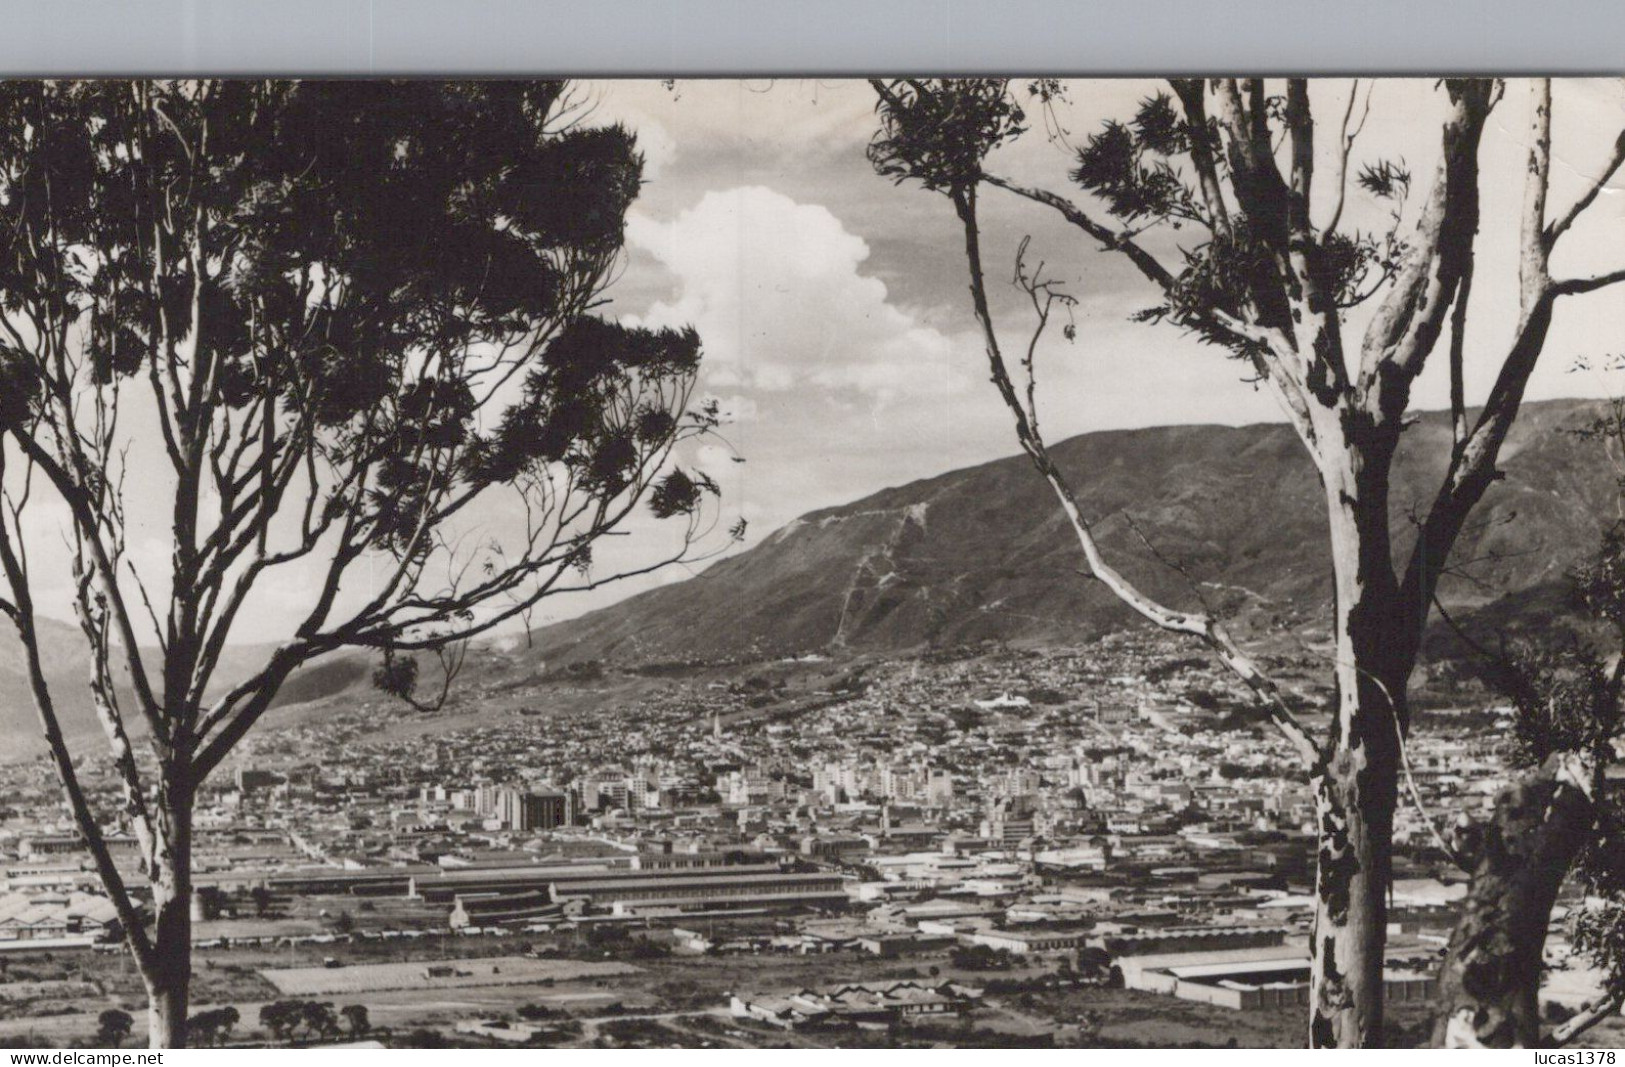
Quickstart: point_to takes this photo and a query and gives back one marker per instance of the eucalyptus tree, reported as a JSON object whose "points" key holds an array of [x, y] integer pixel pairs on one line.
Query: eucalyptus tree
{"points": [[1558, 821], [341, 338], [1233, 163]]}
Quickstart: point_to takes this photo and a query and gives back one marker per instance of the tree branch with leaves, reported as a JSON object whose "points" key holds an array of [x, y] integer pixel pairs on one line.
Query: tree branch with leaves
{"points": [[1238, 162], [359, 321]]}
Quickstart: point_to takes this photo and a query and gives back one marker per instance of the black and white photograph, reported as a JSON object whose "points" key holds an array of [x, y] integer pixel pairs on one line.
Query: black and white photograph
{"points": [[812, 562]]}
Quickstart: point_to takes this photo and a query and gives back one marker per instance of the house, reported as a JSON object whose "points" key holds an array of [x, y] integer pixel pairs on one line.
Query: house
{"points": [[859, 1003]]}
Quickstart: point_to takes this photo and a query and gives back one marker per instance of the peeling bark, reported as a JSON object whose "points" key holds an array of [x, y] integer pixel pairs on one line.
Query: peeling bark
{"points": [[1357, 785], [1350, 414], [169, 977], [1355, 798], [1489, 989]]}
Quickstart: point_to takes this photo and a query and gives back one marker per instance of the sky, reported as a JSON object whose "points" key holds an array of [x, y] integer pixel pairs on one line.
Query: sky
{"points": [[833, 304], [833, 307]]}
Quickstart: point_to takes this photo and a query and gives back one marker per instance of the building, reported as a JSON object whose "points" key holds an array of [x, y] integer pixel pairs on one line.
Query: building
{"points": [[673, 860], [1246, 979], [750, 787], [1092, 856], [890, 946], [251, 780], [871, 1003], [57, 919], [517, 909], [1007, 830], [63, 844], [639, 892], [534, 810], [442, 886], [833, 846], [1116, 714], [1030, 941]]}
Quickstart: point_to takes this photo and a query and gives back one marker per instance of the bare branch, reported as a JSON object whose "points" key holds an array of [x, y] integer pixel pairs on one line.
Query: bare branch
{"points": [[1458, 342], [1567, 219], [1579, 286], [1109, 238], [1193, 101], [1473, 463], [1407, 324], [1204, 627], [22, 617], [1345, 147]]}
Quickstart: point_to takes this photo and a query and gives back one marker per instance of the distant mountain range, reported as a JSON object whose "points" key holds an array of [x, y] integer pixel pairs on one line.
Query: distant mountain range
{"points": [[1233, 515], [68, 669]]}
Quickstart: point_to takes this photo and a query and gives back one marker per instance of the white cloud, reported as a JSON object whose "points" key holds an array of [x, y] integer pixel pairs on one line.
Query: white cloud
{"points": [[777, 292], [658, 147]]}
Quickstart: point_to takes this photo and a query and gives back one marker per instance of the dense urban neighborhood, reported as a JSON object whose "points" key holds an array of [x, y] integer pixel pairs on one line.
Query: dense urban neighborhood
{"points": [[979, 845]]}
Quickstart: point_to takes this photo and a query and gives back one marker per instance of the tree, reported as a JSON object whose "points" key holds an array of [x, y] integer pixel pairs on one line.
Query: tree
{"points": [[319, 1018], [425, 1038], [281, 1017], [113, 1026], [1545, 826], [1270, 283], [213, 1026], [261, 896], [355, 1017], [229, 1018], [334, 329], [1557, 819]]}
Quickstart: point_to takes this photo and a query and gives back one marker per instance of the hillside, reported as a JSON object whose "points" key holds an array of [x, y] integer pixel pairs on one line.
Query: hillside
{"points": [[984, 552]]}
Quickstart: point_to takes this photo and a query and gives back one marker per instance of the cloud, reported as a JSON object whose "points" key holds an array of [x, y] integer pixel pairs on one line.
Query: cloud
{"points": [[714, 457], [658, 147], [777, 292]]}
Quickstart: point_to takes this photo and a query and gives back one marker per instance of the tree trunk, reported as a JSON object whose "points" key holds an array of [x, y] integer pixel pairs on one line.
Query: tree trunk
{"points": [[1489, 989], [1354, 800], [1356, 788], [169, 979]]}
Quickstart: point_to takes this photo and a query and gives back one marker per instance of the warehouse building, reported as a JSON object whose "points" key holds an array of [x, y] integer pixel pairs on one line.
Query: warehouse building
{"points": [[1031, 941], [441, 887], [1248, 979], [738, 888]]}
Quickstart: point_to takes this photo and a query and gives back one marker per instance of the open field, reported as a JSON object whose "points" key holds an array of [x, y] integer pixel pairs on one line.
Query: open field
{"points": [[661, 1002], [438, 974]]}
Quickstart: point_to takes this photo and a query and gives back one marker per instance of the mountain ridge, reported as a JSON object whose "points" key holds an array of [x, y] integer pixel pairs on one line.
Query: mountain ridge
{"points": [[1231, 515], [983, 553]]}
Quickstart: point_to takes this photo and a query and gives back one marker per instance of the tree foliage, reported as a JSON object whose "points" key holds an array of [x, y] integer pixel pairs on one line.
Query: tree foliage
{"points": [[1269, 275], [356, 1018], [334, 334], [213, 1026], [113, 1025], [940, 138]]}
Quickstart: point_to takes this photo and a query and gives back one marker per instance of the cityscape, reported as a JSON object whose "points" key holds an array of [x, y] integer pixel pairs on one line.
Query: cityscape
{"points": [[929, 563], [982, 845]]}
